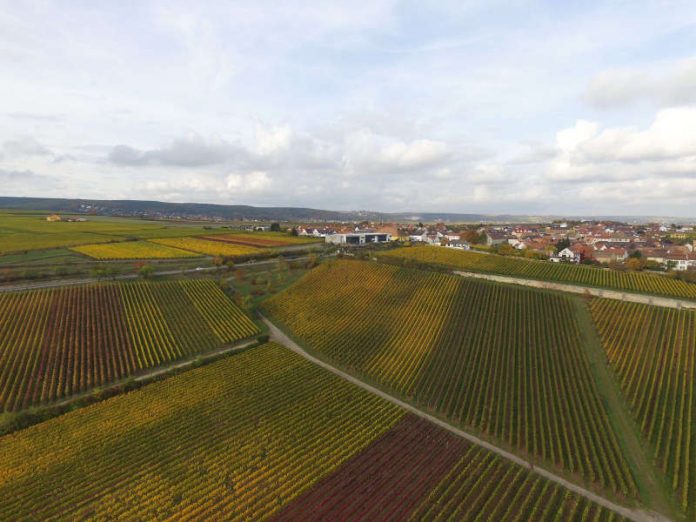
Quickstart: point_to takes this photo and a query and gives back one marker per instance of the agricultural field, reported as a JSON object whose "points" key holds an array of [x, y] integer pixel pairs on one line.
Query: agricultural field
{"points": [[20, 232], [263, 239], [208, 247], [58, 342], [262, 435], [417, 471], [505, 361], [132, 250], [544, 270], [653, 352], [21, 242]]}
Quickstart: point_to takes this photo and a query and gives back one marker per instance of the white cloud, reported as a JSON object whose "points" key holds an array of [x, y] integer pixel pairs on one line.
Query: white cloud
{"points": [[250, 183], [665, 84]]}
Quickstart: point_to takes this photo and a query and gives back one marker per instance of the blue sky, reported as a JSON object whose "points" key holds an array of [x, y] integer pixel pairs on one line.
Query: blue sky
{"points": [[467, 106]]}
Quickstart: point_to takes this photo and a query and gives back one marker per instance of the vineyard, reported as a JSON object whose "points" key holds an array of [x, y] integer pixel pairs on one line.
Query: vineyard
{"points": [[262, 240], [417, 471], [653, 351], [208, 247], [260, 435], [505, 361], [544, 270], [132, 250], [58, 342]]}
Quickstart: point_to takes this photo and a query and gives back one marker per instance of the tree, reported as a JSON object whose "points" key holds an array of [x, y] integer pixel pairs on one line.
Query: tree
{"points": [[562, 243], [146, 271], [636, 254], [294, 231], [275, 227], [634, 264]]}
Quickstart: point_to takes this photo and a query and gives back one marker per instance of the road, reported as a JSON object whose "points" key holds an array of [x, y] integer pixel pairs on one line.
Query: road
{"points": [[54, 283], [637, 515], [667, 302]]}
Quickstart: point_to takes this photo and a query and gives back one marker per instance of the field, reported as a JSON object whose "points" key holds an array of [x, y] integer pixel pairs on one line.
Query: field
{"points": [[208, 247], [653, 352], [506, 361], [262, 434], [27, 241], [132, 250], [263, 239], [21, 232], [58, 342], [544, 270]]}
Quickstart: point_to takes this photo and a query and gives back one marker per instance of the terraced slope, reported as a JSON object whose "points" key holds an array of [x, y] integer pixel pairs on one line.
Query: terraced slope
{"points": [[653, 352], [503, 361], [544, 270], [62, 341]]}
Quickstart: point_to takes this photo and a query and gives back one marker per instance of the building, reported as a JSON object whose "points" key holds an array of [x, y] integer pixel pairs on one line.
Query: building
{"points": [[566, 255], [458, 244], [495, 237], [358, 238]]}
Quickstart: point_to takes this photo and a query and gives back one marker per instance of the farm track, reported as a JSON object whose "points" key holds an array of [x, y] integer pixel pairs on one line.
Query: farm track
{"points": [[653, 300], [55, 283], [636, 515]]}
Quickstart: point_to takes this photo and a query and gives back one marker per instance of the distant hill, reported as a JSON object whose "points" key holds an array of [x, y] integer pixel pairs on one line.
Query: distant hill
{"points": [[162, 210]]}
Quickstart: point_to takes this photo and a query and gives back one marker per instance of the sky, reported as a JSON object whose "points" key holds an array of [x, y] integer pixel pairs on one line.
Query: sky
{"points": [[517, 106]]}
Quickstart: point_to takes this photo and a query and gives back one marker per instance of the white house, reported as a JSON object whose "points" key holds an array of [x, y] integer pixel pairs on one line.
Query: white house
{"points": [[566, 255]]}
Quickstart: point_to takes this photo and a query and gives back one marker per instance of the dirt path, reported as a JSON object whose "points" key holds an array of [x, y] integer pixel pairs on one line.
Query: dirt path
{"points": [[667, 302], [161, 370], [637, 515], [651, 483]]}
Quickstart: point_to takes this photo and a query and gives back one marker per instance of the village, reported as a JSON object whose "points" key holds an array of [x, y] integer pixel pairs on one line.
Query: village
{"points": [[617, 245]]}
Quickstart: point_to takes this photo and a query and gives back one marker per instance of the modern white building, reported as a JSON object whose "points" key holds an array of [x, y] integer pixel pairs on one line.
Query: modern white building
{"points": [[358, 238]]}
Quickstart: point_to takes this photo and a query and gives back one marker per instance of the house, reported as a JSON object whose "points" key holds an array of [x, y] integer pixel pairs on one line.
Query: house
{"points": [[357, 238], [566, 255], [611, 254], [54, 218], [495, 237], [458, 244], [681, 262], [423, 236]]}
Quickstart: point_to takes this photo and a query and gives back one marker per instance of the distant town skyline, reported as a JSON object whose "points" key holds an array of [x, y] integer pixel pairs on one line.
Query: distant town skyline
{"points": [[522, 107]]}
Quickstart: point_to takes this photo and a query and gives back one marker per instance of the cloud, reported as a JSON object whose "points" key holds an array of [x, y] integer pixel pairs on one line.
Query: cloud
{"points": [[190, 151], [664, 84], [365, 151], [25, 146]]}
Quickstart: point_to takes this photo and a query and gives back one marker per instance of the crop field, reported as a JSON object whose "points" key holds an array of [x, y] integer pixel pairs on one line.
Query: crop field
{"points": [[208, 247], [58, 342], [263, 434], [28, 241], [503, 360], [132, 250], [545, 270], [653, 352], [263, 239]]}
